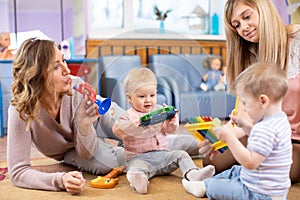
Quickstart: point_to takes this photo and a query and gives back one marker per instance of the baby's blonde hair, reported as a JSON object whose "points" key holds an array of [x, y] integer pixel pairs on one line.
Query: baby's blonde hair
{"points": [[137, 78], [263, 78]]}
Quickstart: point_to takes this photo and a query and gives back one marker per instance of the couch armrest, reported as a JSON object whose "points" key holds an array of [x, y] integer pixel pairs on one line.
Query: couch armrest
{"points": [[114, 89], [108, 85], [174, 89], [164, 88]]}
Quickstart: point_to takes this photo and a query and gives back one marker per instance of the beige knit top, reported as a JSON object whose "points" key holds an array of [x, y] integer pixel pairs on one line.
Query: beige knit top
{"points": [[51, 138]]}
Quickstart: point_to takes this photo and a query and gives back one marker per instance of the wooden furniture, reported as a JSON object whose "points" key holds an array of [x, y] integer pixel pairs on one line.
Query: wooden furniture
{"points": [[96, 48], [80, 70], [88, 69]]}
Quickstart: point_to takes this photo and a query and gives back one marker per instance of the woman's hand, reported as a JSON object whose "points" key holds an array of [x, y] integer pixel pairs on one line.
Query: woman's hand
{"points": [[206, 149], [73, 182], [87, 114]]}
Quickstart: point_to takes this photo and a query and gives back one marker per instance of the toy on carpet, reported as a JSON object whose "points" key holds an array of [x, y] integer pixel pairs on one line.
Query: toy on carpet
{"points": [[203, 128], [103, 103], [158, 116], [108, 181]]}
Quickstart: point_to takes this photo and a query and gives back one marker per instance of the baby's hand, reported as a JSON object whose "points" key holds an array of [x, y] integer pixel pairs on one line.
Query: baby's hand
{"points": [[206, 149], [224, 131], [172, 122], [241, 119]]}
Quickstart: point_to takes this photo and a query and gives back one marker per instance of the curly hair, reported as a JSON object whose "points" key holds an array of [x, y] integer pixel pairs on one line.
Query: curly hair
{"points": [[31, 68]]}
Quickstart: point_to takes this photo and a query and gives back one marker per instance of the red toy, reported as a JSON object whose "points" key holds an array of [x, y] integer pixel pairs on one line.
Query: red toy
{"points": [[86, 89]]}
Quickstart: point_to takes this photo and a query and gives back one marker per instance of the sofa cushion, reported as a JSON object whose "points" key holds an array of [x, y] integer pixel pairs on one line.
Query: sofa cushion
{"points": [[184, 73]]}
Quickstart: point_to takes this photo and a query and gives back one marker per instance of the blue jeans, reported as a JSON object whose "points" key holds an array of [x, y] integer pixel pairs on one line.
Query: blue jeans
{"points": [[155, 163], [227, 185]]}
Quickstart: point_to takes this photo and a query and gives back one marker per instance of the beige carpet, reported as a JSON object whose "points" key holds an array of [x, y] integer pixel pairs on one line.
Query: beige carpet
{"points": [[162, 187]]}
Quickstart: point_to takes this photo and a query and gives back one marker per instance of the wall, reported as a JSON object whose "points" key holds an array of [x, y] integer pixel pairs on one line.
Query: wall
{"points": [[217, 6], [46, 16], [4, 16]]}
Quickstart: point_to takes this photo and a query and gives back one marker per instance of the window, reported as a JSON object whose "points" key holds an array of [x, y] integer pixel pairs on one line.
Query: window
{"points": [[108, 18], [107, 13], [193, 17]]}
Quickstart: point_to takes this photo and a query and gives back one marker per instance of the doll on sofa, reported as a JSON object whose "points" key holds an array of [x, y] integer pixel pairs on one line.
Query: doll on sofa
{"points": [[5, 53], [214, 78]]}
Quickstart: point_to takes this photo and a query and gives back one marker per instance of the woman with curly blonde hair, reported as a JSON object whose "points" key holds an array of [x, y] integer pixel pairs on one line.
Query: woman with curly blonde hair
{"points": [[47, 113]]}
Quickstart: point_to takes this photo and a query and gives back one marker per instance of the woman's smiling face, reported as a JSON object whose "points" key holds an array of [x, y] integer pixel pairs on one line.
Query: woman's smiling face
{"points": [[245, 20]]}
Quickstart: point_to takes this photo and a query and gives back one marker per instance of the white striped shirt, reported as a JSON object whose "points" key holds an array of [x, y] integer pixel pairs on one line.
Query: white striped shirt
{"points": [[271, 138]]}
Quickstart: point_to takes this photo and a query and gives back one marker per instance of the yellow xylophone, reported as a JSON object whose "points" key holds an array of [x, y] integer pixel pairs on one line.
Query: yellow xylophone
{"points": [[202, 128]]}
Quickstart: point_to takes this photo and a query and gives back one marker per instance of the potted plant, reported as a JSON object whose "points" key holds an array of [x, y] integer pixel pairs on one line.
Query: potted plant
{"points": [[161, 16]]}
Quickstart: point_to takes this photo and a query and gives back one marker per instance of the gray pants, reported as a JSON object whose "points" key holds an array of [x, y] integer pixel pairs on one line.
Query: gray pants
{"points": [[155, 163], [109, 156]]}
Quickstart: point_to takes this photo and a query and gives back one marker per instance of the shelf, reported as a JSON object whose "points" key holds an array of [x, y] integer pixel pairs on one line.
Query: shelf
{"points": [[163, 36]]}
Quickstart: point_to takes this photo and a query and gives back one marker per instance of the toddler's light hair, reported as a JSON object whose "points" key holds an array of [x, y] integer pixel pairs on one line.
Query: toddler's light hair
{"points": [[263, 78], [137, 78]]}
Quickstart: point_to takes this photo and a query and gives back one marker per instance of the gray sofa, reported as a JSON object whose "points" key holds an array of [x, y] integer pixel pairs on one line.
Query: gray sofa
{"points": [[183, 73]]}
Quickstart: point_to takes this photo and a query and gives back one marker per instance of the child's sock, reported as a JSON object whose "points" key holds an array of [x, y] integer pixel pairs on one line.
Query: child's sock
{"points": [[200, 174], [138, 182], [196, 188]]}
